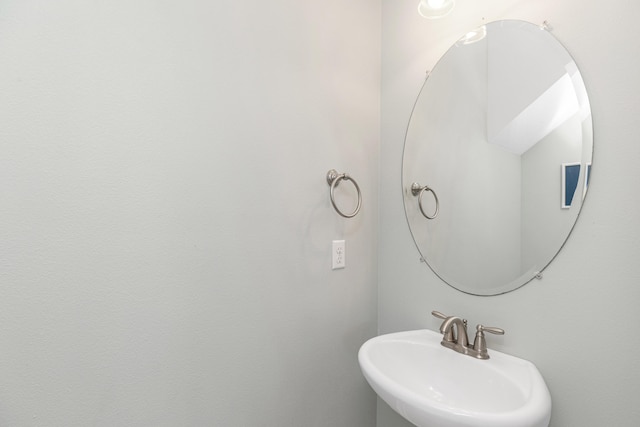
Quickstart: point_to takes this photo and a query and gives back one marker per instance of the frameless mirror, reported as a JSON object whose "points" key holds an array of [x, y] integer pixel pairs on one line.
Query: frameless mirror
{"points": [[498, 150]]}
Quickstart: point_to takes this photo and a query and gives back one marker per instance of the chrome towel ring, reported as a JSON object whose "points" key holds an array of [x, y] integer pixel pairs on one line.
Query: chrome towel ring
{"points": [[418, 190], [334, 178]]}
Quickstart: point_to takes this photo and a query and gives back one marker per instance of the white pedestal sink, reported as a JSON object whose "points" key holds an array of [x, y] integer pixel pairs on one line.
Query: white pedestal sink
{"points": [[433, 386]]}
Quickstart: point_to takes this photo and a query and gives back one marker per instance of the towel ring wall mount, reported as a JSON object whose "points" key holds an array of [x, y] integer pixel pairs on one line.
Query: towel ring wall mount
{"points": [[333, 179], [417, 190]]}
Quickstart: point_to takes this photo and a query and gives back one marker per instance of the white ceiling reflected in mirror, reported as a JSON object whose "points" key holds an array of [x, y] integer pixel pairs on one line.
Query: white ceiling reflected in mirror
{"points": [[492, 134]]}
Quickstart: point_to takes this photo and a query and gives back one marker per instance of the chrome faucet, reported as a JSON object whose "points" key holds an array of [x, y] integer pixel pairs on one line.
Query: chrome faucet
{"points": [[460, 340]]}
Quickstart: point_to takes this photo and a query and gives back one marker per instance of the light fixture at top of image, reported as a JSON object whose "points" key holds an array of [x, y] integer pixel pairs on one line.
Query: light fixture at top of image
{"points": [[433, 9]]}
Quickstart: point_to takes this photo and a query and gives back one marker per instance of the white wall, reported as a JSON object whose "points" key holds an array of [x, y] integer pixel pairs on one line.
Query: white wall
{"points": [[166, 226], [579, 324], [546, 224]]}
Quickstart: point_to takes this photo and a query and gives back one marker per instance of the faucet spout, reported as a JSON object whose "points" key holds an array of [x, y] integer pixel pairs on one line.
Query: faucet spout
{"points": [[461, 339]]}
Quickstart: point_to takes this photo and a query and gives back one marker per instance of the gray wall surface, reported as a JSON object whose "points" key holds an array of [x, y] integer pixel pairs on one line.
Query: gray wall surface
{"points": [[166, 225], [166, 229], [578, 325]]}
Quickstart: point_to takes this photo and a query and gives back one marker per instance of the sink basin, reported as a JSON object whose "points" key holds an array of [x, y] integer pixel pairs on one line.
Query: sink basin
{"points": [[433, 386]]}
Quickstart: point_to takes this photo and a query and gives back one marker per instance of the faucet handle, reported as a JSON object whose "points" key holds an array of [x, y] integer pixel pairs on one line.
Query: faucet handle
{"points": [[449, 335], [491, 329], [480, 344], [439, 315]]}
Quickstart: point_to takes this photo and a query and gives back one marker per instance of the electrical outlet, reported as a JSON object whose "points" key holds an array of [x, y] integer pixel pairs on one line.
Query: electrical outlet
{"points": [[338, 255]]}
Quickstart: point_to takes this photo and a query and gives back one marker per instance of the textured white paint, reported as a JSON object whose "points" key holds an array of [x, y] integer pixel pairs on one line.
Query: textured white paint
{"points": [[578, 324], [158, 161], [143, 219]]}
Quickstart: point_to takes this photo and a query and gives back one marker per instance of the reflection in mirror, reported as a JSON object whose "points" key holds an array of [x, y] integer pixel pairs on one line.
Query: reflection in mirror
{"points": [[502, 131]]}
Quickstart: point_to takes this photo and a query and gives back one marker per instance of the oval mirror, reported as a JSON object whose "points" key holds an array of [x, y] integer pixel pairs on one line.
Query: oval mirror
{"points": [[498, 152]]}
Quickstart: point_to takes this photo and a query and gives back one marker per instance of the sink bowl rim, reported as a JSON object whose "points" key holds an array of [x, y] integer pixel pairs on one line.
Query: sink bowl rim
{"points": [[407, 402]]}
